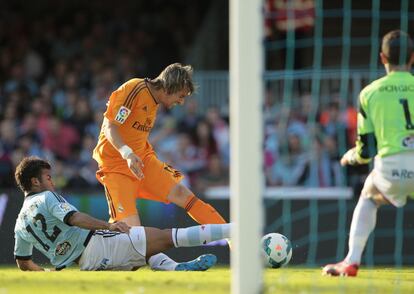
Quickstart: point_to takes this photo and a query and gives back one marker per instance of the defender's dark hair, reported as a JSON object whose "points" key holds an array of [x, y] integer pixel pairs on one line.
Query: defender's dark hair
{"points": [[174, 78], [28, 168], [397, 46]]}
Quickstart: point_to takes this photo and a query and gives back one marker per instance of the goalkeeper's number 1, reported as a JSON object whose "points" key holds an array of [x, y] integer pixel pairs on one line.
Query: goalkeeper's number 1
{"points": [[409, 125]]}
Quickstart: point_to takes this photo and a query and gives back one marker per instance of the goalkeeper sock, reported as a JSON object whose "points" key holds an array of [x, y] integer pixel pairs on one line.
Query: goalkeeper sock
{"points": [[202, 212], [363, 223], [161, 262], [200, 235]]}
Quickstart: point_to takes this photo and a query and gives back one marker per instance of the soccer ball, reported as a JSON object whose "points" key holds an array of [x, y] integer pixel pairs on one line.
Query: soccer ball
{"points": [[277, 250]]}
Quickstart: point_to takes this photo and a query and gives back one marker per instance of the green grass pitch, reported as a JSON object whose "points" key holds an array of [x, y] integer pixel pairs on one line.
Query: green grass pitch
{"points": [[214, 281]]}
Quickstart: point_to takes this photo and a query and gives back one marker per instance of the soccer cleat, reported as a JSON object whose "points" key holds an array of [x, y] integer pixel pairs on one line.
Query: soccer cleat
{"points": [[341, 269], [201, 263]]}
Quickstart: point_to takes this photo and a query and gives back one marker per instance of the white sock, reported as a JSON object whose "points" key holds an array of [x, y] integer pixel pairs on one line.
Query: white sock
{"points": [[161, 262], [200, 235], [363, 223]]}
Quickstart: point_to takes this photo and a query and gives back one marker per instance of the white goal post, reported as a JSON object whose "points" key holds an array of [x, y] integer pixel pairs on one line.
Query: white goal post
{"points": [[246, 128]]}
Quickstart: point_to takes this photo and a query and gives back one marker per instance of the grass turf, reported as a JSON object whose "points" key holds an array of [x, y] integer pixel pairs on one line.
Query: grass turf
{"points": [[214, 281]]}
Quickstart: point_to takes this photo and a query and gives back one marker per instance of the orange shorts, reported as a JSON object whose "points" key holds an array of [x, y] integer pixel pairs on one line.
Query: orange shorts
{"points": [[122, 190]]}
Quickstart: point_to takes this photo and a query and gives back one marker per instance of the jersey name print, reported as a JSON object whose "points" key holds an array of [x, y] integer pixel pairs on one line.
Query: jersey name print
{"points": [[387, 112]]}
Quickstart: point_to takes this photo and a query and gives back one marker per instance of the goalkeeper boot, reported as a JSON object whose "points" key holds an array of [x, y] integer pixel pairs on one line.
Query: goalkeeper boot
{"points": [[341, 269], [201, 263]]}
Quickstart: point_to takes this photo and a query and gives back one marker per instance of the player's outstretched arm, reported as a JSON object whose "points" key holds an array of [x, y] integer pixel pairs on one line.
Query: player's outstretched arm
{"points": [[29, 265], [85, 221], [135, 164]]}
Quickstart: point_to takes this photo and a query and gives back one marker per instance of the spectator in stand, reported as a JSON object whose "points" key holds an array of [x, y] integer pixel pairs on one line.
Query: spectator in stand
{"points": [[187, 157], [59, 138], [93, 128], [271, 110], [165, 138], [82, 115], [188, 123], [215, 174], [334, 126], [350, 118], [291, 168], [281, 16], [18, 79], [220, 132], [204, 140], [324, 171]]}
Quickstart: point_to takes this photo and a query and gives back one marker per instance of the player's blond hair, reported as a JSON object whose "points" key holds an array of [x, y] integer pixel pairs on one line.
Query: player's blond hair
{"points": [[175, 78]]}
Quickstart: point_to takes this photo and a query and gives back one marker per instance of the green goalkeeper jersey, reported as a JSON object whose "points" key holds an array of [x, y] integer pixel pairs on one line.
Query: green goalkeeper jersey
{"points": [[386, 116]]}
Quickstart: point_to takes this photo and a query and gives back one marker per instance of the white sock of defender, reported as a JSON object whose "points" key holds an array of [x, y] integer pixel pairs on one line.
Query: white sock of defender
{"points": [[200, 235], [162, 262], [363, 223]]}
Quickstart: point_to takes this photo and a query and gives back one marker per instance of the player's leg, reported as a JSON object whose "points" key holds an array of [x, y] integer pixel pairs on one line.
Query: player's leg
{"points": [[161, 240], [364, 220], [121, 192], [159, 180], [363, 223], [163, 183], [201, 212], [386, 184]]}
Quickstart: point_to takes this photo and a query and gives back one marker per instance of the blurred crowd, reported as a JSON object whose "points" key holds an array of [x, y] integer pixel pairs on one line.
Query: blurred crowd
{"points": [[304, 141], [59, 63], [58, 70]]}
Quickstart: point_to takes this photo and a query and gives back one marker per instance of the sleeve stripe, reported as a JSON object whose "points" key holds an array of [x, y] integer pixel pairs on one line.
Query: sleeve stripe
{"points": [[361, 110], [23, 257], [132, 98], [131, 95], [135, 96], [67, 216], [58, 197]]}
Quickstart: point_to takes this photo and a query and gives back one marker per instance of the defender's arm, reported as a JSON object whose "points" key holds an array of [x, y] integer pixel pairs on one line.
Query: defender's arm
{"points": [[29, 265], [85, 221]]}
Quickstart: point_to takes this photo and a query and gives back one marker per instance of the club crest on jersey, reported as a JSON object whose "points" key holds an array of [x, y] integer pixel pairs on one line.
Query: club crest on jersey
{"points": [[122, 114], [63, 248]]}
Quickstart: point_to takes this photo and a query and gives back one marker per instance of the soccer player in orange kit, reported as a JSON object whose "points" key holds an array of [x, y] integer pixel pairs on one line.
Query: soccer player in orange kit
{"points": [[128, 165]]}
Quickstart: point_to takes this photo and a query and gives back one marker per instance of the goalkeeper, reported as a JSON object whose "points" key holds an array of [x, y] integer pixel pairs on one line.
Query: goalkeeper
{"points": [[66, 236], [385, 126]]}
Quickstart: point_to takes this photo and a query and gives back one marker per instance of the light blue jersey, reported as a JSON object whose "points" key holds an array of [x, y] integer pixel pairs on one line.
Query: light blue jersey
{"points": [[42, 223]]}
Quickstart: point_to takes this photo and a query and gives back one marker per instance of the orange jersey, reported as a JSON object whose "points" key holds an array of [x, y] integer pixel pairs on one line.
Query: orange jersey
{"points": [[133, 108]]}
